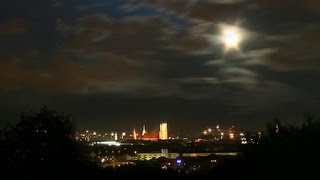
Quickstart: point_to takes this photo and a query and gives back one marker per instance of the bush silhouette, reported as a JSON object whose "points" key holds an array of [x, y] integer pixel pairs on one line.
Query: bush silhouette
{"points": [[41, 146], [291, 151]]}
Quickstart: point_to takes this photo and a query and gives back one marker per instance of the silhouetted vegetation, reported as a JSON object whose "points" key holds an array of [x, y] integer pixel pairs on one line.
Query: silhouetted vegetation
{"points": [[41, 146], [284, 151]]}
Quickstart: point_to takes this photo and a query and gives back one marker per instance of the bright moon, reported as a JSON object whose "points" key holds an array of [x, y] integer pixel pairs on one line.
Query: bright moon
{"points": [[231, 37]]}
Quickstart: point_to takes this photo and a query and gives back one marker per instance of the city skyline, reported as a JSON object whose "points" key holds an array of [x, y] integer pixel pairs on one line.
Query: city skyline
{"points": [[191, 63], [216, 133]]}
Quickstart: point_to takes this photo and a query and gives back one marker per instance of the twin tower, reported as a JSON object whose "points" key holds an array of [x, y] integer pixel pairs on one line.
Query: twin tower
{"points": [[162, 135]]}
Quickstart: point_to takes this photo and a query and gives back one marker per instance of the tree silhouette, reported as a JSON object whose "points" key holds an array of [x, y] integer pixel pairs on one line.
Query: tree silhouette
{"points": [[41, 146], [290, 152]]}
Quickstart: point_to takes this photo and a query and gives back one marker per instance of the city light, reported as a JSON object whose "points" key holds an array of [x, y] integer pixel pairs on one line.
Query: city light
{"points": [[115, 151], [109, 143], [231, 135], [164, 167]]}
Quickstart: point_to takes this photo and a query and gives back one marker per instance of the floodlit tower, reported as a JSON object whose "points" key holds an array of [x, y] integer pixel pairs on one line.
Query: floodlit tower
{"points": [[143, 129], [163, 133], [116, 136], [134, 134]]}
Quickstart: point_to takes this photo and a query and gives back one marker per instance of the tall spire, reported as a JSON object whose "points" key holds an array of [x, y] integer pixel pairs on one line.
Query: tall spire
{"points": [[277, 128], [144, 129]]}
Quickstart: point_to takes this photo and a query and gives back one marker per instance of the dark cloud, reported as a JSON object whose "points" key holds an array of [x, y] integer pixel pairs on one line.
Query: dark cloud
{"points": [[290, 6], [63, 75], [13, 27], [95, 34], [206, 10], [298, 53], [136, 37]]}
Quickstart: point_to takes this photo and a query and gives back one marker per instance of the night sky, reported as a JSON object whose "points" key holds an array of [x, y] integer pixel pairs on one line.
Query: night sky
{"points": [[116, 64]]}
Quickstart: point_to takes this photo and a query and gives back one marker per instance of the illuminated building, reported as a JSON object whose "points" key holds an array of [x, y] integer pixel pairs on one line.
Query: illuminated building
{"points": [[134, 134], [143, 129], [116, 136], [165, 153], [150, 136], [109, 143], [146, 156], [123, 135], [163, 133]]}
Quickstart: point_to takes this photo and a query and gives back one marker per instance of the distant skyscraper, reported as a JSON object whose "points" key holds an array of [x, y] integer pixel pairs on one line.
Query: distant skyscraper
{"points": [[163, 133], [144, 129], [134, 134]]}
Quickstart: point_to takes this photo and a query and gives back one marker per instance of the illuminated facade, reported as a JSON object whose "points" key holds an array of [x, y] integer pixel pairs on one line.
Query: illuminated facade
{"points": [[150, 136], [134, 134], [116, 136], [163, 133]]}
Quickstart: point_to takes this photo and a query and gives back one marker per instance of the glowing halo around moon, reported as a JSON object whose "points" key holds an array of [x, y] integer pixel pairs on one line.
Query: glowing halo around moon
{"points": [[231, 37]]}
